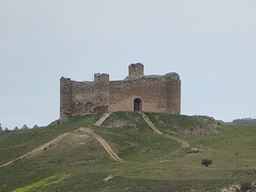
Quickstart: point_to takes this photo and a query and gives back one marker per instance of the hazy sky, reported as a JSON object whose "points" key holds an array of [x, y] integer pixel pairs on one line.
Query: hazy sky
{"points": [[211, 44]]}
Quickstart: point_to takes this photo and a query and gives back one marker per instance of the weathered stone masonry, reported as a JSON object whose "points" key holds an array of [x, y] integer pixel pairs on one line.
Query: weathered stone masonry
{"points": [[137, 92]]}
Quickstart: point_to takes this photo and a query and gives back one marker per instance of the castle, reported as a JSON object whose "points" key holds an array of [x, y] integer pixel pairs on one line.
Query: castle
{"points": [[137, 92]]}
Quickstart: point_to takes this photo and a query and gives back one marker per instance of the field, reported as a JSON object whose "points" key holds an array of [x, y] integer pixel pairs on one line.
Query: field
{"points": [[66, 158]]}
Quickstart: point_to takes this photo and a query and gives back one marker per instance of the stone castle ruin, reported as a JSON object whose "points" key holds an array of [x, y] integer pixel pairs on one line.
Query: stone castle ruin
{"points": [[137, 92]]}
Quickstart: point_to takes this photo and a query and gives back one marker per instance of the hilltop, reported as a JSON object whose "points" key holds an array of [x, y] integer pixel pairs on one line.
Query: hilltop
{"points": [[128, 151]]}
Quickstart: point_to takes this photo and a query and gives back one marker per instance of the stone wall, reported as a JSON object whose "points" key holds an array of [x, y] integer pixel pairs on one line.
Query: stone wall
{"points": [[157, 93], [154, 93], [81, 98]]}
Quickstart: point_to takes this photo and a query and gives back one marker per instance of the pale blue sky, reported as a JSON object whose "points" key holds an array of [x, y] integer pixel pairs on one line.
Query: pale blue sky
{"points": [[211, 44]]}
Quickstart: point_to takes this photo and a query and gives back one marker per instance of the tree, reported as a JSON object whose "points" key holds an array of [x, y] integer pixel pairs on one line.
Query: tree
{"points": [[24, 127], [35, 126], [206, 162]]}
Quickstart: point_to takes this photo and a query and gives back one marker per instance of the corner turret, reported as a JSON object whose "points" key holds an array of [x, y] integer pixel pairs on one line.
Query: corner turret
{"points": [[65, 98]]}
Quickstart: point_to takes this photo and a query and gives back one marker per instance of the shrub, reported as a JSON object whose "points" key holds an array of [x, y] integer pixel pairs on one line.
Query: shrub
{"points": [[246, 186], [206, 162]]}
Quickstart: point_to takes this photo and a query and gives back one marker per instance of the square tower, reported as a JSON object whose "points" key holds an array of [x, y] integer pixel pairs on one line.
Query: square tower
{"points": [[136, 69]]}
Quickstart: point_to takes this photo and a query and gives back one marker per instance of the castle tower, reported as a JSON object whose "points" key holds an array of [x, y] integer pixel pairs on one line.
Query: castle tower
{"points": [[101, 86], [173, 93], [136, 69], [65, 98]]}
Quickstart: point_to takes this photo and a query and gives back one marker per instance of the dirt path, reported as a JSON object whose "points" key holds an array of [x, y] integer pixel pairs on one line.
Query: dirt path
{"points": [[59, 138], [145, 117], [37, 150], [102, 119], [102, 142], [100, 139], [184, 144]]}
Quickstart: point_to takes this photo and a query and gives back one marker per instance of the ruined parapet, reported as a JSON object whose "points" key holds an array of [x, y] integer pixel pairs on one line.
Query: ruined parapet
{"points": [[65, 98], [101, 87], [173, 93], [136, 69]]}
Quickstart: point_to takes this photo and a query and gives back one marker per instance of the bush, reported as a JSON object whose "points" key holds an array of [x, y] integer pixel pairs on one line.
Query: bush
{"points": [[246, 186], [206, 162]]}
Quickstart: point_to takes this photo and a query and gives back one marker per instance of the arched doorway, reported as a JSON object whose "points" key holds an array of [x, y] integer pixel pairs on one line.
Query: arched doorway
{"points": [[137, 104]]}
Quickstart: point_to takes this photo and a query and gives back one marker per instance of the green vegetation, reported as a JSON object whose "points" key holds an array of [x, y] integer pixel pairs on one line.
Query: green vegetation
{"points": [[54, 179], [151, 162], [17, 143]]}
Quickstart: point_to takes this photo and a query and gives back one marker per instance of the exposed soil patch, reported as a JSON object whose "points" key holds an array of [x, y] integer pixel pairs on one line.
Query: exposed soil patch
{"points": [[108, 178], [102, 119]]}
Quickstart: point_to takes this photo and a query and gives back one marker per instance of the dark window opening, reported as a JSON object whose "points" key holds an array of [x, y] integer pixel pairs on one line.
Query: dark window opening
{"points": [[137, 104]]}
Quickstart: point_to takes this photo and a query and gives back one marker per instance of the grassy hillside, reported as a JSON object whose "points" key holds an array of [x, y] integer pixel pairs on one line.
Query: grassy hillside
{"points": [[73, 160]]}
